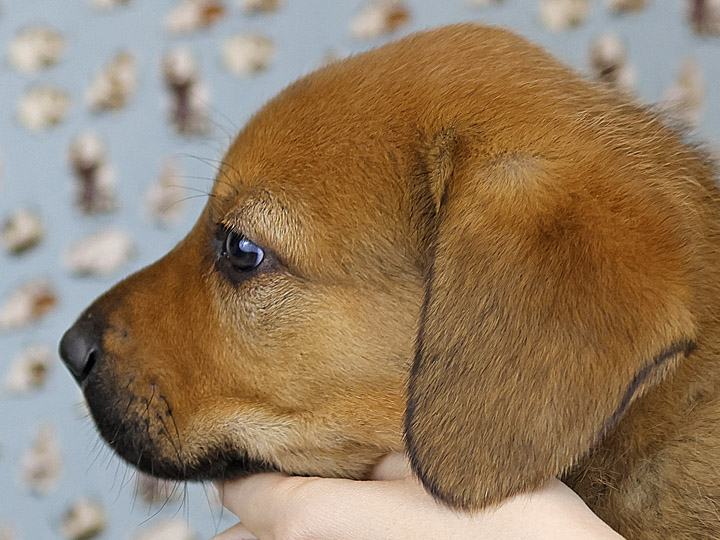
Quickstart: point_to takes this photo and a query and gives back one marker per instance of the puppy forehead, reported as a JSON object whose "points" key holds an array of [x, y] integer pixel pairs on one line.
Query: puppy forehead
{"points": [[337, 151], [317, 222]]}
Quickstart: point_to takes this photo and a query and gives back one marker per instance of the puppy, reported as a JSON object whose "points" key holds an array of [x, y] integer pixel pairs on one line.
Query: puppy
{"points": [[451, 245]]}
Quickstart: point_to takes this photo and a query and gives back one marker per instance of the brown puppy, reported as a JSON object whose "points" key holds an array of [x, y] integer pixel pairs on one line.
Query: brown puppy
{"points": [[537, 252]]}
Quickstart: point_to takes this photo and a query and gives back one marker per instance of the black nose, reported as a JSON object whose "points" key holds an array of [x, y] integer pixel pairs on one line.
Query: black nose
{"points": [[80, 347]]}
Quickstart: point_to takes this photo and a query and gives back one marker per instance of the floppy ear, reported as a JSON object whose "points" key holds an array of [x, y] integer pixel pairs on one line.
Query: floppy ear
{"points": [[555, 297]]}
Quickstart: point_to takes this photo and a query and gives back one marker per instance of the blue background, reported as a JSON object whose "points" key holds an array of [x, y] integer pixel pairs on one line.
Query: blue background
{"points": [[35, 173]]}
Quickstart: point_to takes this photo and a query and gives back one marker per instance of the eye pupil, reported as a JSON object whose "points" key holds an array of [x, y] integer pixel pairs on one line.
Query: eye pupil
{"points": [[242, 253]]}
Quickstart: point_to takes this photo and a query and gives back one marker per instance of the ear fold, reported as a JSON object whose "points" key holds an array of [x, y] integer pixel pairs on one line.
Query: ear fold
{"points": [[553, 301]]}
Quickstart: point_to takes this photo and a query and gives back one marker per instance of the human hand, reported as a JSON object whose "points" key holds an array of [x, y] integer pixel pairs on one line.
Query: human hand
{"points": [[394, 505]]}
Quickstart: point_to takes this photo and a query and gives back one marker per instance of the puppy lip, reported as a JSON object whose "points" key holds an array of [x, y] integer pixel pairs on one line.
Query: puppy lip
{"points": [[210, 467], [128, 434], [233, 466]]}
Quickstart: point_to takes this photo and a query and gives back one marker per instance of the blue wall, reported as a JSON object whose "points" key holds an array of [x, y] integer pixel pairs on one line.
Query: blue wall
{"points": [[35, 173]]}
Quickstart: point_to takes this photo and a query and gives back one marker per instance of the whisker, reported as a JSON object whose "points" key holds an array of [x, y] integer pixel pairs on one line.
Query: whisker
{"points": [[97, 456], [166, 432], [82, 412], [181, 506], [185, 199], [209, 503], [191, 188], [235, 127], [215, 146], [137, 483], [109, 460], [133, 475], [177, 431], [145, 414], [95, 446], [117, 431], [221, 495], [124, 414], [122, 482], [149, 402], [216, 164], [164, 504], [117, 470], [185, 502]]}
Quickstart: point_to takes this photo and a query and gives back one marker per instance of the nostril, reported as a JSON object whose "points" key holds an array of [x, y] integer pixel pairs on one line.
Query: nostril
{"points": [[90, 364]]}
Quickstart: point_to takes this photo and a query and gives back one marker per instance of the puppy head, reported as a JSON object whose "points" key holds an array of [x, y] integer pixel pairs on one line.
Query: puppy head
{"points": [[278, 334], [455, 205]]}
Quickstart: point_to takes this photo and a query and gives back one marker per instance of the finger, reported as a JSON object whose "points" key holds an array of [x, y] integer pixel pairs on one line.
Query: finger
{"points": [[273, 506], [392, 467], [236, 532], [262, 501]]}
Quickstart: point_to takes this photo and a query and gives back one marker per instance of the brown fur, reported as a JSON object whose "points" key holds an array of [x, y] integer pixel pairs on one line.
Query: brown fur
{"points": [[539, 253]]}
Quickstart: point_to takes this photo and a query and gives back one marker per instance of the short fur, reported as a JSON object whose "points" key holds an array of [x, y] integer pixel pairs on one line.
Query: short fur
{"points": [[537, 252]]}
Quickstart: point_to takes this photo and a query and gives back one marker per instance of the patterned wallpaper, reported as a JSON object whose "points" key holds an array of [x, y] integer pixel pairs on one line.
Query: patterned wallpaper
{"points": [[113, 114]]}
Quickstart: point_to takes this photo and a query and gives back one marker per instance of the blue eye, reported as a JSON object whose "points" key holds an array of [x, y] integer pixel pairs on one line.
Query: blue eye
{"points": [[242, 253]]}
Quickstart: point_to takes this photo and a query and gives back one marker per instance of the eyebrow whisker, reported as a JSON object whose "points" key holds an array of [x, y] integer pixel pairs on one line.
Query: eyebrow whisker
{"points": [[234, 128], [187, 199], [191, 188], [217, 165]]}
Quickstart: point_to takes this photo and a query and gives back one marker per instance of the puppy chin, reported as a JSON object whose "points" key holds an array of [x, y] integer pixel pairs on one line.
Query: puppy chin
{"points": [[142, 431]]}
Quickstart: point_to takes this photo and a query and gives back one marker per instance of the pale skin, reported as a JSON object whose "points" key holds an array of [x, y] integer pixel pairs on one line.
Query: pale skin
{"points": [[395, 506]]}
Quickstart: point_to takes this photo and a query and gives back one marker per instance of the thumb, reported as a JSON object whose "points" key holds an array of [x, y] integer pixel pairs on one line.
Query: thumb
{"points": [[392, 467]]}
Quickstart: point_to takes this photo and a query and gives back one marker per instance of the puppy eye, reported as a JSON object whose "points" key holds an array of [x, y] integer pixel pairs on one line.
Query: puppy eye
{"points": [[242, 253]]}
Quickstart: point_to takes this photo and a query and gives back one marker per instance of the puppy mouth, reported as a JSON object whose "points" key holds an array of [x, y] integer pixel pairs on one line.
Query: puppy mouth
{"points": [[143, 432]]}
